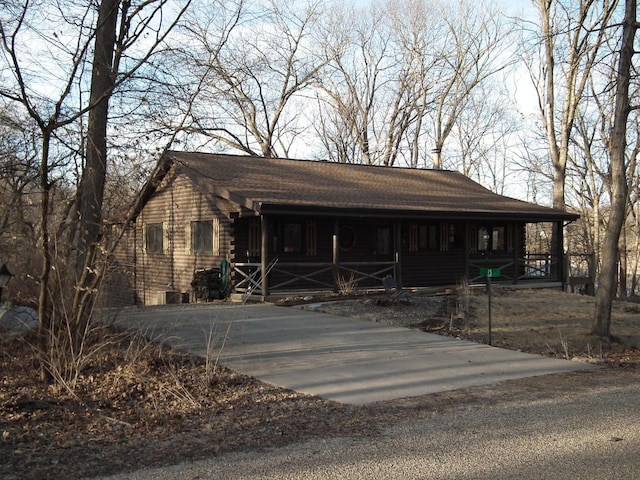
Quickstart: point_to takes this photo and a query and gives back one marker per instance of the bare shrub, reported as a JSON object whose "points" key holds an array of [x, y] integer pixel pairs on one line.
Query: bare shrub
{"points": [[347, 286], [463, 298]]}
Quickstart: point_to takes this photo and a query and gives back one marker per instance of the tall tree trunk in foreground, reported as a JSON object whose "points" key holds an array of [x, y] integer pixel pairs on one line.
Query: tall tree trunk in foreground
{"points": [[91, 189], [609, 256], [44, 317]]}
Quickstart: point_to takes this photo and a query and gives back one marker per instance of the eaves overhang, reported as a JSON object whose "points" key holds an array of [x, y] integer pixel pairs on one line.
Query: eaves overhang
{"points": [[308, 210]]}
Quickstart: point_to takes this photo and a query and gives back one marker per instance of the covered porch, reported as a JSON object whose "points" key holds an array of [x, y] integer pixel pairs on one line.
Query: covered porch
{"points": [[279, 254]]}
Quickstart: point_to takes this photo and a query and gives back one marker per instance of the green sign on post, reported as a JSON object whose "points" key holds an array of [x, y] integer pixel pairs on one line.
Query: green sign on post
{"points": [[490, 272]]}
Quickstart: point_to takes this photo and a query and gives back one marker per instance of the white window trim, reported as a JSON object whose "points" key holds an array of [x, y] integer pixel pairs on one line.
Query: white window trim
{"points": [[166, 237], [215, 247]]}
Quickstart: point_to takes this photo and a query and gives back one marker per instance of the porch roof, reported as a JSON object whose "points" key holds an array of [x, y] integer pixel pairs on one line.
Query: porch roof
{"points": [[264, 186]]}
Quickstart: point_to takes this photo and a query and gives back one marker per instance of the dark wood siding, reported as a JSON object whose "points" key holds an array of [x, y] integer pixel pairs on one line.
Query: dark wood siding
{"points": [[432, 269], [306, 268], [442, 262]]}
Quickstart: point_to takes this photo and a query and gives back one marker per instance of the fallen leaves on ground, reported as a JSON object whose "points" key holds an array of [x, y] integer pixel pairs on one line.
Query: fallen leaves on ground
{"points": [[141, 405]]}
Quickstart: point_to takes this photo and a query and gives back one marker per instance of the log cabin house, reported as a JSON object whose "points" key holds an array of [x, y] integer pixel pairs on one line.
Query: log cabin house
{"points": [[281, 226]]}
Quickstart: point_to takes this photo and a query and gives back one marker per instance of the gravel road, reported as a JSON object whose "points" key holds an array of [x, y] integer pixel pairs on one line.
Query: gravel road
{"points": [[549, 430]]}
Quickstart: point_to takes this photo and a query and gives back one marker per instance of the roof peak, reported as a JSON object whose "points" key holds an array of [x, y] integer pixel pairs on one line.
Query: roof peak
{"points": [[179, 153]]}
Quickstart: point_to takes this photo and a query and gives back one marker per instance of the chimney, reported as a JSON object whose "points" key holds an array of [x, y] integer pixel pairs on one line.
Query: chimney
{"points": [[436, 158]]}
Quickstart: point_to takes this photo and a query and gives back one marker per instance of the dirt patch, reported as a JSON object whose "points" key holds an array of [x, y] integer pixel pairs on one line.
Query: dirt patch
{"points": [[140, 405], [144, 405]]}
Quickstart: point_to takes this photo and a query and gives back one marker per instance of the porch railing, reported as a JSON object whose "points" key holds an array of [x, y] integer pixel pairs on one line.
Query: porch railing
{"points": [[540, 265], [247, 277], [321, 275], [533, 266]]}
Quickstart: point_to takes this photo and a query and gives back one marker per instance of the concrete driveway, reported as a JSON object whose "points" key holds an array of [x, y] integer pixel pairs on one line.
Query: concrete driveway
{"points": [[342, 359]]}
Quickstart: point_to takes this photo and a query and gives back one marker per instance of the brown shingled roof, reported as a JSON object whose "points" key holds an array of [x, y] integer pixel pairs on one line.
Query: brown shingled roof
{"points": [[283, 185]]}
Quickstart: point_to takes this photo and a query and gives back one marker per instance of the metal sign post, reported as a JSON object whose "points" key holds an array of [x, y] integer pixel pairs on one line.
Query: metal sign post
{"points": [[490, 273]]}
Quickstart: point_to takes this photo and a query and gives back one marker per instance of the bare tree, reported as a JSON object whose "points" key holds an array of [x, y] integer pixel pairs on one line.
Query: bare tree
{"points": [[471, 52], [417, 35], [364, 98], [53, 96], [247, 70], [18, 174], [18, 200], [403, 75], [483, 136], [619, 191], [571, 35]]}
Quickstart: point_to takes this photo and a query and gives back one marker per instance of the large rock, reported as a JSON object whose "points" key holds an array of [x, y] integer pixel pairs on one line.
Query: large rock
{"points": [[18, 319]]}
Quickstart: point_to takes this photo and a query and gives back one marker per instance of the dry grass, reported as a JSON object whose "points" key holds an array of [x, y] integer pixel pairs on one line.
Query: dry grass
{"points": [[553, 322]]}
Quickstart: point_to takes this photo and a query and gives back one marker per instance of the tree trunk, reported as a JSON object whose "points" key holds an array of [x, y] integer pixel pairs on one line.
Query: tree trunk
{"points": [[91, 188], [607, 277], [44, 315], [624, 265]]}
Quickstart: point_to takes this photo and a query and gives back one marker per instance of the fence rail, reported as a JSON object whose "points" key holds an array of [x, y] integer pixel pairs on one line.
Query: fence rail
{"points": [[532, 266], [248, 276]]}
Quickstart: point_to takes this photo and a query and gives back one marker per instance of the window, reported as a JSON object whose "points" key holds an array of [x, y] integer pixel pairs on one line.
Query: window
{"points": [[383, 241], [254, 238], [429, 237], [451, 236], [154, 238], [346, 238], [497, 239], [202, 237], [286, 237], [483, 238], [423, 237], [491, 238], [292, 238]]}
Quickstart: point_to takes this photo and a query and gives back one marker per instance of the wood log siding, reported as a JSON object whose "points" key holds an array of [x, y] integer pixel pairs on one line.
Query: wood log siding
{"points": [[432, 265], [426, 264], [177, 203], [441, 260]]}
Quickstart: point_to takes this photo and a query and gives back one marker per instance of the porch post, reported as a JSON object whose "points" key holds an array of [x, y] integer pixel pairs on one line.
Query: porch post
{"points": [[516, 251], [335, 259], [397, 241], [467, 248], [560, 253], [264, 243]]}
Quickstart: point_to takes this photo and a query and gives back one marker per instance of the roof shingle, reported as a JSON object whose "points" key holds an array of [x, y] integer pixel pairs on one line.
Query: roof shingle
{"points": [[270, 185]]}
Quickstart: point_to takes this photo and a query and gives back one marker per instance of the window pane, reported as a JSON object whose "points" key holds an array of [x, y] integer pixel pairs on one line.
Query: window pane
{"points": [[153, 238], [428, 237], [433, 237], [202, 237], [483, 238], [498, 238], [423, 236], [292, 237], [383, 241]]}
